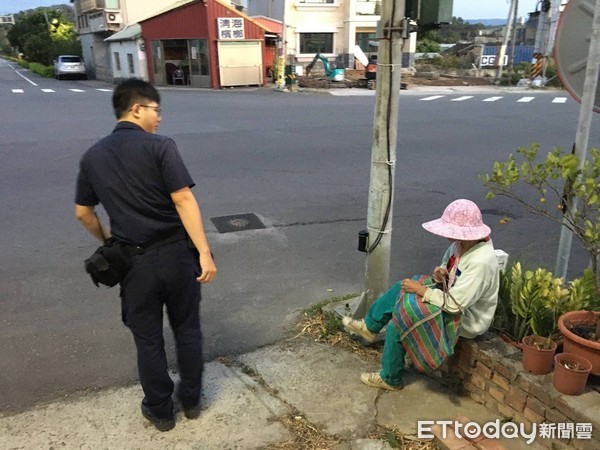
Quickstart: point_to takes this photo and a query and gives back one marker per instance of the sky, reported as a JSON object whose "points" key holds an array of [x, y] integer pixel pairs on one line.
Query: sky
{"points": [[467, 9]]}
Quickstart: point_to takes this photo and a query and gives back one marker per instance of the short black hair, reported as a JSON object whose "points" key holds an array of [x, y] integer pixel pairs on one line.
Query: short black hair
{"points": [[130, 92]]}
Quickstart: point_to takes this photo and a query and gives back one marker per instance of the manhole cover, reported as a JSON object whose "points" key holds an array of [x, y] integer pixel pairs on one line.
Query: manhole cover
{"points": [[237, 222]]}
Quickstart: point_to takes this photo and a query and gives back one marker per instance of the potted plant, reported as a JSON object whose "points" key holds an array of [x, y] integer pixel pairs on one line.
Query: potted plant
{"points": [[581, 333], [539, 348], [571, 372]]}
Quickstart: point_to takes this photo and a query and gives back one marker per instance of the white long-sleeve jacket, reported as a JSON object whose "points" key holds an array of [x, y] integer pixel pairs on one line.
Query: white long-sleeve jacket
{"points": [[475, 288]]}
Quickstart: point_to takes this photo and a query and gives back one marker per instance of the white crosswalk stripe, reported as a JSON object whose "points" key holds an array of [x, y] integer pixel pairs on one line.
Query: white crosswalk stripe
{"points": [[491, 99], [462, 99], [48, 90], [560, 100], [76, 90], [525, 99], [433, 97], [18, 91]]}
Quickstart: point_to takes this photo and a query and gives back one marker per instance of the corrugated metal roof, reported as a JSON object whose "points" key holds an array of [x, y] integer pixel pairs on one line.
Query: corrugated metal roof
{"points": [[272, 25], [172, 6], [129, 33]]}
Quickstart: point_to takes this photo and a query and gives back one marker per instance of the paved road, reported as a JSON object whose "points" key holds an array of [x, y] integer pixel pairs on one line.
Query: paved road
{"points": [[300, 162]]}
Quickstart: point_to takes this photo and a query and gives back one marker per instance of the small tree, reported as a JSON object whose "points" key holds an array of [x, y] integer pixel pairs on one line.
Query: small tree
{"points": [[554, 180]]}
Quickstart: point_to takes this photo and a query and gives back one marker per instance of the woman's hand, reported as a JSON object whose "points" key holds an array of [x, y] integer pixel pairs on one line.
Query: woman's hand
{"points": [[413, 286], [439, 273]]}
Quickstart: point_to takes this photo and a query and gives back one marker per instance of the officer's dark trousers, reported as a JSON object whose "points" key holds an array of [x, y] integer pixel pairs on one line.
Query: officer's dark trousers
{"points": [[165, 276]]}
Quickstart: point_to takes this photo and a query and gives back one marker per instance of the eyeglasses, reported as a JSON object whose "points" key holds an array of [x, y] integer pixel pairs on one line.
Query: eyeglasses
{"points": [[155, 108]]}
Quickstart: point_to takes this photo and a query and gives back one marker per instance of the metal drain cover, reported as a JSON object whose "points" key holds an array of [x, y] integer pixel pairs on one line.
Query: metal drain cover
{"points": [[237, 222]]}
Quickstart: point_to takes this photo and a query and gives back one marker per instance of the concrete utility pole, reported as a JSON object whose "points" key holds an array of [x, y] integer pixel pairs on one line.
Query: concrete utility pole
{"points": [[541, 34], [383, 152], [554, 16], [511, 63], [582, 137], [507, 30]]}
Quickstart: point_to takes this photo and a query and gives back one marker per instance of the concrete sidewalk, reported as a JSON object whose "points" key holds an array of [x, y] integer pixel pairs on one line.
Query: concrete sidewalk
{"points": [[249, 401]]}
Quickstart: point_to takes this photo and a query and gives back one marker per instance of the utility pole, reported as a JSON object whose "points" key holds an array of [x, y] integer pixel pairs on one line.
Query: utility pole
{"points": [[554, 15], [383, 153], [282, 50], [514, 36], [581, 140], [507, 30]]}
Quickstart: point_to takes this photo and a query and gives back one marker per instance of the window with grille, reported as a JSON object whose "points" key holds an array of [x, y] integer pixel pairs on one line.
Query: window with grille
{"points": [[117, 61], [130, 63], [316, 42]]}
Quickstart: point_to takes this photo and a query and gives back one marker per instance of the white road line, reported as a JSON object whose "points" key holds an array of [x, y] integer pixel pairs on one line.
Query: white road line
{"points": [[491, 99], [433, 97], [47, 90], [525, 99], [104, 90], [76, 90], [24, 77], [17, 91], [460, 99], [560, 100]]}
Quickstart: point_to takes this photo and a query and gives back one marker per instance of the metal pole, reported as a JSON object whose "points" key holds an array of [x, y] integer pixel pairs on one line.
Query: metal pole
{"points": [[383, 153], [502, 52], [581, 140]]}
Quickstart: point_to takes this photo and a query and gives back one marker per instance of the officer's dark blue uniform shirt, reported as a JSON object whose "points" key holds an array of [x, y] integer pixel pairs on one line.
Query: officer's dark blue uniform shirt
{"points": [[132, 174]]}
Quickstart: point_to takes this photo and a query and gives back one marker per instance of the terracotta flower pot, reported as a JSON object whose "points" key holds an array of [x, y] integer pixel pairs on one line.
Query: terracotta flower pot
{"points": [[590, 350], [571, 372], [537, 360]]}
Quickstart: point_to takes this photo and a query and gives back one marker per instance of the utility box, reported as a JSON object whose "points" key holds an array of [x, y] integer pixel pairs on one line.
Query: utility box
{"points": [[429, 12]]}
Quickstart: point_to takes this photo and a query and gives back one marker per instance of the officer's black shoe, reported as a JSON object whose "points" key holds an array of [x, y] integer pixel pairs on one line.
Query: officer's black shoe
{"points": [[165, 424], [192, 412]]}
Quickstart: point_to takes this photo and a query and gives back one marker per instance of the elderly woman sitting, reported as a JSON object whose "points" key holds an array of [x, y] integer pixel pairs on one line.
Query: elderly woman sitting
{"points": [[429, 313]]}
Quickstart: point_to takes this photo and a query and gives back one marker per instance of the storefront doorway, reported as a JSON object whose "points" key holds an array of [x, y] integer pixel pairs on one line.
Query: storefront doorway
{"points": [[181, 62]]}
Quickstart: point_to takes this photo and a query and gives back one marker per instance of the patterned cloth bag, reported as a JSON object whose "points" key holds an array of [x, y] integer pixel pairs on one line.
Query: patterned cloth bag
{"points": [[428, 333]]}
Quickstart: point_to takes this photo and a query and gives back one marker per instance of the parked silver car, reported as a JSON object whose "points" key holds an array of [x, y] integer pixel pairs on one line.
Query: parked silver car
{"points": [[69, 65]]}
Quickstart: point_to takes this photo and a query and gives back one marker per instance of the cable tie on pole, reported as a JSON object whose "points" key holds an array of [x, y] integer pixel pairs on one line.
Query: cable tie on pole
{"points": [[379, 230], [389, 65], [389, 163]]}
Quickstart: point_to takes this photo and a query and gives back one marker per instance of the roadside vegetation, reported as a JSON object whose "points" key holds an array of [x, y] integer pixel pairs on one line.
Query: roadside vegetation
{"points": [[39, 36]]}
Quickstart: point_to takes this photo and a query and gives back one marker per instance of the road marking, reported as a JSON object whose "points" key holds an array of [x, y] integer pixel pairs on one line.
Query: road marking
{"points": [[17, 91], [24, 77], [463, 98], [104, 90], [76, 90], [560, 100], [525, 99], [48, 90], [491, 99], [433, 97]]}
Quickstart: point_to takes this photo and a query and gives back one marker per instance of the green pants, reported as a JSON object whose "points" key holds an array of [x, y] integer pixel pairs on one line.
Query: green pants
{"points": [[378, 316]]}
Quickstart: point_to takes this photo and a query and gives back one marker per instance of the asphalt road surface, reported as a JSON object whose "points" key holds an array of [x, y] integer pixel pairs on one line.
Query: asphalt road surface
{"points": [[299, 162]]}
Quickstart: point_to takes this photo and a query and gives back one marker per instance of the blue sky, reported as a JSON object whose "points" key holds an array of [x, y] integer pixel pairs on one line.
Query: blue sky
{"points": [[467, 9]]}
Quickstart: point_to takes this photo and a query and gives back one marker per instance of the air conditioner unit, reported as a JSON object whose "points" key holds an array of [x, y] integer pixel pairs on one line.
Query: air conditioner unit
{"points": [[114, 18]]}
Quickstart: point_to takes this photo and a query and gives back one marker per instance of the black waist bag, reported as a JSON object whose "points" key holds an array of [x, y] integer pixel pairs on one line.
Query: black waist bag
{"points": [[109, 264]]}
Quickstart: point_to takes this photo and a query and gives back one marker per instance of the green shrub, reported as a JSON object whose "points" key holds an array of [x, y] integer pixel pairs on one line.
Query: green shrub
{"points": [[24, 64], [42, 70]]}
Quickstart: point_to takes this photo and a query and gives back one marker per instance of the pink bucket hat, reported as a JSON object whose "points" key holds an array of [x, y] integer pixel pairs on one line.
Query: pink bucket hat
{"points": [[461, 220]]}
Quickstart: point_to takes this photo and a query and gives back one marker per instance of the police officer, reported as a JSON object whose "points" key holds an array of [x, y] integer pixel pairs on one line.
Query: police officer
{"points": [[142, 183]]}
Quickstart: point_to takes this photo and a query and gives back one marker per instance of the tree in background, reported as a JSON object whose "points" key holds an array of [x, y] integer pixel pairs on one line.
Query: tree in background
{"points": [[44, 33]]}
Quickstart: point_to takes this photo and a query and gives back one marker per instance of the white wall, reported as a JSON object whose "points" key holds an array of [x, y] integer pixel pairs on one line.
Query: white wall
{"points": [[123, 48]]}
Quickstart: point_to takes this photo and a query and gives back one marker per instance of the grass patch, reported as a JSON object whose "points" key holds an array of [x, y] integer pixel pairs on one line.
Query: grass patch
{"points": [[305, 435], [395, 439]]}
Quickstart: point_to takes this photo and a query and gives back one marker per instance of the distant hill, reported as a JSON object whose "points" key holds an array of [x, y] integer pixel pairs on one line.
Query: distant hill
{"points": [[487, 22]]}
